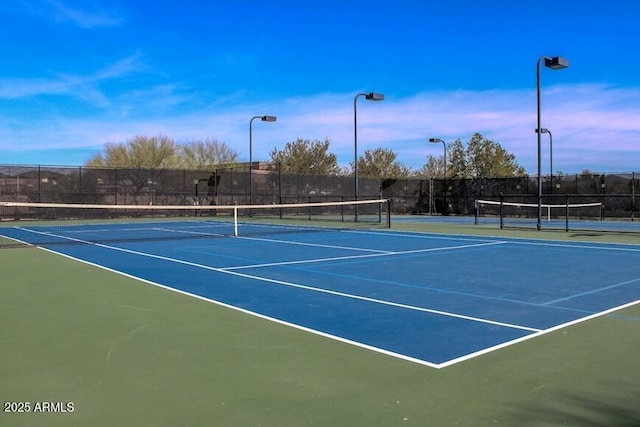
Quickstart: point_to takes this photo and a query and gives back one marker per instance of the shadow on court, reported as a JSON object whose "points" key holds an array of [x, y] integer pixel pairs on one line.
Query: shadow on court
{"points": [[608, 404]]}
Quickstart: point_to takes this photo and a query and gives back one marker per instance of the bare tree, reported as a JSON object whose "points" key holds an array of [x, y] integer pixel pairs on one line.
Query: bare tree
{"points": [[204, 154], [141, 152]]}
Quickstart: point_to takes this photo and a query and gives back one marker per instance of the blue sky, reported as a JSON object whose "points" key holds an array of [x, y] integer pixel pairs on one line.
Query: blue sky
{"points": [[76, 75]]}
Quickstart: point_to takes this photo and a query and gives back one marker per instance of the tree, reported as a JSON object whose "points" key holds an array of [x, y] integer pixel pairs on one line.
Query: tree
{"points": [[135, 157], [140, 152], [205, 154], [434, 168], [481, 157], [303, 156], [457, 160], [381, 163], [487, 158], [587, 172]]}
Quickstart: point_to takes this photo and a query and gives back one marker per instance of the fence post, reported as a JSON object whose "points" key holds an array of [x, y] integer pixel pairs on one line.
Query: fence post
{"points": [[477, 210], [115, 185], [389, 213], [633, 196], [501, 211]]}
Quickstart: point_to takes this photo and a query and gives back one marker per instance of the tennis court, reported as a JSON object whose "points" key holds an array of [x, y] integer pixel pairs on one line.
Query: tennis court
{"points": [[432, 299], [187, 318]]}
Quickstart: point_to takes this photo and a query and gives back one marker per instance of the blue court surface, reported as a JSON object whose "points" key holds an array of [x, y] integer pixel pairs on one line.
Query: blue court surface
{"points": [[428, 298]]}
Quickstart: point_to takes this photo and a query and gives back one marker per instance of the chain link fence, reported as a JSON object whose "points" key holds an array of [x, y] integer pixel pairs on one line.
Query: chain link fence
{"points": [[230, 185]]}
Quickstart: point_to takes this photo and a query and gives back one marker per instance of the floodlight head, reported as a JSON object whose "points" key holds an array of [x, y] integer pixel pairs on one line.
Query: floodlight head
{"points": [[556, 63], [542, 130], [374, 96], [435, 140], [268, 118]]}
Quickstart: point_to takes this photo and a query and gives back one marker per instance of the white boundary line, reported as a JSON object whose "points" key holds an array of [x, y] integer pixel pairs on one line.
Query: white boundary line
{"points": [[317, 245], [347, 257], [536, 335], [516, 240], [591, 292], [424, 235], [580, 245], [150, 225]]}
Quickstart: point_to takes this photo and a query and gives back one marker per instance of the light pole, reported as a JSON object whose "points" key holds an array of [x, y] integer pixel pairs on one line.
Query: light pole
{"points": [[545, 130], [371, 96], [555, 63], [435, 141], [264, 119]]}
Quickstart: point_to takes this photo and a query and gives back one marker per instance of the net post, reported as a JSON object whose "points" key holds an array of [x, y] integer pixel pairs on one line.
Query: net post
{"points": [[235, 221], [566, 213]]}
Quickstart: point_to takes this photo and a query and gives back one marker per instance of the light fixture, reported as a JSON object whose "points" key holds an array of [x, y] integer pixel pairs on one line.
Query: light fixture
{"points": [[554, 63], [264, 119], [436, 141], [371, 96]]}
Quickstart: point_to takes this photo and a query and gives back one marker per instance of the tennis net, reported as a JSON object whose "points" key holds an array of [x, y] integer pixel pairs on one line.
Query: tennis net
{"points": [[59, 223], [515, 214]]}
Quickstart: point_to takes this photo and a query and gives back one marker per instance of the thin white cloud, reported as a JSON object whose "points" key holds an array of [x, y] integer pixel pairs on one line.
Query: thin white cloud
{"points": [[127, 65], [24, 88], [84, 18], [83, 87], [594, 127], [91, 15]]}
